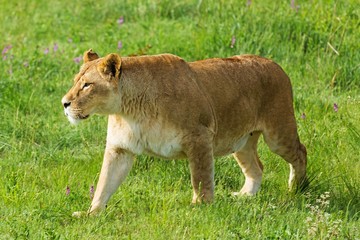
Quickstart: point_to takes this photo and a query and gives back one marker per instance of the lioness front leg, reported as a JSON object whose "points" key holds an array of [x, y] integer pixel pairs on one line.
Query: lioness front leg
{"points": [[201, 163], [116, 166]]}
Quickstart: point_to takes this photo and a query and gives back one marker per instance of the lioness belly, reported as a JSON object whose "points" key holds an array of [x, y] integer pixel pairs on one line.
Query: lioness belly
{"points": [[225, 147]]}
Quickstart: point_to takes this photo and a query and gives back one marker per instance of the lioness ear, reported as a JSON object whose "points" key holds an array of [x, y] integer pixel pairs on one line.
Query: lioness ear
{"points": [[89, 55], [110, 65]]}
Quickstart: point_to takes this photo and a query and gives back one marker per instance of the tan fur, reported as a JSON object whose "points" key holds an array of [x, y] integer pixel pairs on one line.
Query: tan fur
{"points": [[166, 107]]}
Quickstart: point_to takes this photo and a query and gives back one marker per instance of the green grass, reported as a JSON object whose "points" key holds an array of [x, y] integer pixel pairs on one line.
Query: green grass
{"points": [[41, 153]]}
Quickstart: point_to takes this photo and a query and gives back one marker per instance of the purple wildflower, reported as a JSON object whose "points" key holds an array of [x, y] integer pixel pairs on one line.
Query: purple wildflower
{"points": [[56, 47], [77, 60], [233, 40], [46, 51], [248, 3], [303, 116], [336, 107], [293, 6], [91, 192], [119, 45], [120, 21], [6, 49], [67, 190]]}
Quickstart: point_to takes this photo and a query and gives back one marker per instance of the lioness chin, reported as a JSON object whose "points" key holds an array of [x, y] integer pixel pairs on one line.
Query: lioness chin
{"points": [[166, 107]]}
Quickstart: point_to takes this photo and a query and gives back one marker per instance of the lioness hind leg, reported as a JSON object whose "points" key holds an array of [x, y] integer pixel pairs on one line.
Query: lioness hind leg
{"points": [[286, 144], [250, 165]]}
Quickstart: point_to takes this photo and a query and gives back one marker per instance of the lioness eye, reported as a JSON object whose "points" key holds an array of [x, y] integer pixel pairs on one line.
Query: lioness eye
{"points": [[86, 85]]}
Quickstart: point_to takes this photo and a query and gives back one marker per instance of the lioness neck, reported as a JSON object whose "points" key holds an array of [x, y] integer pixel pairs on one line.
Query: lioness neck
{"points": [[136, 88]]}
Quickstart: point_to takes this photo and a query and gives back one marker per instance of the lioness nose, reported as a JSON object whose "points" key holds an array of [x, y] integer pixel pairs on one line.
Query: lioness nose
{"points": [[66, 104]]}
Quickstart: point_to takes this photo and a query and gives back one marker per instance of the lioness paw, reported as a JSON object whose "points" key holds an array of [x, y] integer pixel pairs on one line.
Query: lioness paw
{"points": [[79, 214], [242, 194]]}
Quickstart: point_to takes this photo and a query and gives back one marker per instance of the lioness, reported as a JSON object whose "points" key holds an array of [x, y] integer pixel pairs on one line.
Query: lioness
{"points": [[166, 107]]}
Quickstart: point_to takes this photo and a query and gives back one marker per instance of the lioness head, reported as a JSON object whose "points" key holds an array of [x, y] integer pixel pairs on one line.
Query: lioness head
{"points": [[95, 88]]}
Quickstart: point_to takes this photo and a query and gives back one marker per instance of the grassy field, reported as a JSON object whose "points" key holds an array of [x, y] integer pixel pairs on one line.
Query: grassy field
{"points": [[48, 166]]}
